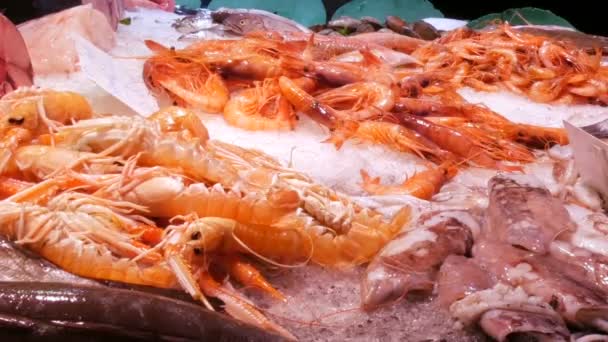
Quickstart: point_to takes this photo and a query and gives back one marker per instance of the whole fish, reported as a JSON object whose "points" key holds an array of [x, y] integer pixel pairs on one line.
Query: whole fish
{"points": [[243, 21], [201, 20]]}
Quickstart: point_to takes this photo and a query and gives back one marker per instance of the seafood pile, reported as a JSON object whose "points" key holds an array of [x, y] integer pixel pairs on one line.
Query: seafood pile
{"points": [[156, 202], [359, 88], [176, 200], [518, 269]]}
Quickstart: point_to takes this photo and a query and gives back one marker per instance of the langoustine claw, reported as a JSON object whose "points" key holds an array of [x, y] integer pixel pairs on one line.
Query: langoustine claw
{"points": [[410, 261], [523, 212], [15, 65]]}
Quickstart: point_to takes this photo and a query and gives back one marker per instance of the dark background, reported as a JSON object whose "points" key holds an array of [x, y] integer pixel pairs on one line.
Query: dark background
{"points": [[587, 16]]}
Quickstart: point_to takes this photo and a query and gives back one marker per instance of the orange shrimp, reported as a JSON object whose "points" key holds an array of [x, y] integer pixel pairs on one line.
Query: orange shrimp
{"points": [[39, 110], [423, 107], [93, 246], [10, 141], [238, 307], [362, 100], [306, 103], [536, 135], [182, 121], [247, 274], [188, 82], [454, 141], [422, 185], [261, 107], [392, 135]]}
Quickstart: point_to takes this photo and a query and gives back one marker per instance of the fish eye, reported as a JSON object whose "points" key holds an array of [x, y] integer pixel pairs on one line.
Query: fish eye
{"points": [[242, 22]]}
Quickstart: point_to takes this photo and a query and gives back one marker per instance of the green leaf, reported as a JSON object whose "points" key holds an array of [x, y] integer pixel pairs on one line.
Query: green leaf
{"points": [[409, 10], [125, 21], [308, 13], [521, 16]]}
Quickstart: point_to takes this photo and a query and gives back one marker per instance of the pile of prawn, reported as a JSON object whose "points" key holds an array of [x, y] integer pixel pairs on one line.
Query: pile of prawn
{"points": [[154, 201], [544, 69], [370, 89]]}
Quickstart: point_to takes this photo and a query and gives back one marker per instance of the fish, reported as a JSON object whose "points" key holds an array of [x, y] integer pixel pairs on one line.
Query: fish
{"points": [[50, 43], [243, 21], [201, 20], [15, 64], [60, 310]]}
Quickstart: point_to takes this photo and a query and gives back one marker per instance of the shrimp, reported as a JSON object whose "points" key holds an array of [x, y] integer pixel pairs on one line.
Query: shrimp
{"points": [[84, 236], [537, 136], [181, 121], [262, 107], [454, 141], [39, 110], [362, 100], [240, 308], [185, 242], [128, 136], [389, 134], [11, 140], [166, 194], [247, 274], [306, 103], [38, 162], [422, 107], [366, 235], [422, 185], [188, 83]]}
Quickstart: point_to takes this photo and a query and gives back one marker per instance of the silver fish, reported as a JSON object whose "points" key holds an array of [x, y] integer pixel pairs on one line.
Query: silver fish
{"points": [[243, 21], [202, 20]]}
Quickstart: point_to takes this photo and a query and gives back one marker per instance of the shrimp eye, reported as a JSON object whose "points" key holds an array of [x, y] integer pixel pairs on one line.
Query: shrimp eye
{"points": [[242, 22], [16, 121], [195, 235], [197, 251]]}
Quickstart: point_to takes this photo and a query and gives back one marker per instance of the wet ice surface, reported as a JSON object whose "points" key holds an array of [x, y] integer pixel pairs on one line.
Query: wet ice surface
{"points": [[323, 305]]}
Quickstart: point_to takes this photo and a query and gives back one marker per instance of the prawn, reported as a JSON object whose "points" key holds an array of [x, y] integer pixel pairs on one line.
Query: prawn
{"points": [[166, 194], [262, 107], [181, 121], [361, 100], [188, 83], [422, 185], [306, 103], [85, 237], [40, 110], [389, 134], [10, 141], [367, 234], [245, 273], [129, 136], [454, 141]]}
